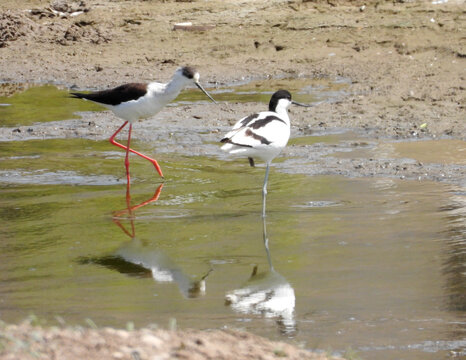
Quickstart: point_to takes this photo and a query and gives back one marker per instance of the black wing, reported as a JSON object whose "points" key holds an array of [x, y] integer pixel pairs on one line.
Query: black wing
{"points": [[118, 95]]}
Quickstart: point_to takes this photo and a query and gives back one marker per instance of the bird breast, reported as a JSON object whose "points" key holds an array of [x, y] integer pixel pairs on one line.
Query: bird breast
{"points": [[141, 108]]}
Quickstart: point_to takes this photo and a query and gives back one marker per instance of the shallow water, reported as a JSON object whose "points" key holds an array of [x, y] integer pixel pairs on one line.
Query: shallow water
{"points": [[26, 104], [306, 90], [443, 151], [372, 266]]}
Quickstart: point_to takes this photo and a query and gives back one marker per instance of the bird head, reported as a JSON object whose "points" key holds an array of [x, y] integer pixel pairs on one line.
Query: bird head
{"points": [[282, 98], [191, 74]]}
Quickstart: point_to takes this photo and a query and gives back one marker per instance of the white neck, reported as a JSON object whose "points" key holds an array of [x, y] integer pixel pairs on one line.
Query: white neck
{"points": [[282, 111], [174, 87]]}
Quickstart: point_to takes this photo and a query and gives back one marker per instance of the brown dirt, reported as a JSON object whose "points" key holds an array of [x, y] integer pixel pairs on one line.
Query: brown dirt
{"points": [[28, 342], [405, 60]]}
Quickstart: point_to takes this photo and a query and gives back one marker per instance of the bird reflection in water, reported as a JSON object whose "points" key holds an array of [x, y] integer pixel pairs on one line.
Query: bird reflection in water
{"points": [[136, 257], [131, 208], [266, 293]]}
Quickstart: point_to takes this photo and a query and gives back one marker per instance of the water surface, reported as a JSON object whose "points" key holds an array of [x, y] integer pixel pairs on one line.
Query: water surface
{"points": [[27, 104], [442, 151], [372, 265]]}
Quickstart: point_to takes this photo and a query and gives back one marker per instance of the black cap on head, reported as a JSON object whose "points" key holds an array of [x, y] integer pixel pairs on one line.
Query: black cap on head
{"points": [[188, 72], [280, 94]]}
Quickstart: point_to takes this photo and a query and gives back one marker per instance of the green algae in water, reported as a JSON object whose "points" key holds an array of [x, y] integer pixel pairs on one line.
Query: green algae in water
{"points": [[24, 104], [311, 140], [40, 104], [306, 90]]}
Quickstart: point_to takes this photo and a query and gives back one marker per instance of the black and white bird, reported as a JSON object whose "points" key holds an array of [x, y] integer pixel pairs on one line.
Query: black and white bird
{"points": [[135, 101], [262, 135]]}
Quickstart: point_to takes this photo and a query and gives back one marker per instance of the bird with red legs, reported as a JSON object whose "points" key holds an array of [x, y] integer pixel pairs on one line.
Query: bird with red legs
{"points": [[135, 101]]}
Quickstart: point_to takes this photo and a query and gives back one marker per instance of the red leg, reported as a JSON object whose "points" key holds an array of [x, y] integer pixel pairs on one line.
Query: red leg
{"points": [[127, 156], [129, 210], [153, 161], [117, 214], [154, 197]]}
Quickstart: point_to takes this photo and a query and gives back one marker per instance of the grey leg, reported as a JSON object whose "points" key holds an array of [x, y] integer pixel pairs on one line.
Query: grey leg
{"points": [[264, 189], [266, 243]]}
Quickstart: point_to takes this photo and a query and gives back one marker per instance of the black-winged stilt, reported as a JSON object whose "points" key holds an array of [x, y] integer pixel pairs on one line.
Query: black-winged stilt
{"points": [[135, 101], [263, 135]]}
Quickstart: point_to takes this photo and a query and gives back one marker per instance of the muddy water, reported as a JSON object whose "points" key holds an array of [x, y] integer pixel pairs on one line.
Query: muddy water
{"points": [[441, 151], [371, 266], [26, 104], [303, 89], [368, 267]]}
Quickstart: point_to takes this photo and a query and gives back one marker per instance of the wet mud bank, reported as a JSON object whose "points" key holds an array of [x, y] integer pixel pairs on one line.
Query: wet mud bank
{"points": [[342, 151]]}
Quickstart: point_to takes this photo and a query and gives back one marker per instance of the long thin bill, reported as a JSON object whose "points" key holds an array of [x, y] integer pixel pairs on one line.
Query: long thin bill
{"points": [[205, 92]]}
